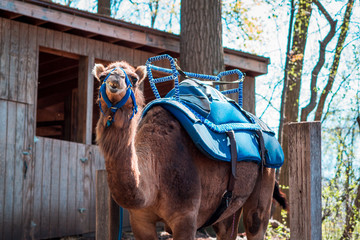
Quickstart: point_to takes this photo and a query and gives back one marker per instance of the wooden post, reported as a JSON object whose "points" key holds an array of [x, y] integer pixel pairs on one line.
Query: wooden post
{"points": [[85, 100], [107, 211], [304, 159]]}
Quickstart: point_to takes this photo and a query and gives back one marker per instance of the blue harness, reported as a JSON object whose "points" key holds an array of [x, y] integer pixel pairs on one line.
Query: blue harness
{"points": [[114, 107]]}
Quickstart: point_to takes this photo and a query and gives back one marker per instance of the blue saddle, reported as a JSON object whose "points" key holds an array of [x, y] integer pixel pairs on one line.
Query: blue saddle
{"points": [[206, 114]]}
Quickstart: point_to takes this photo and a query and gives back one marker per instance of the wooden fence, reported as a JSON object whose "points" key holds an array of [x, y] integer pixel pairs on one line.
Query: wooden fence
{"points": [[57, 191], [304, 156]]}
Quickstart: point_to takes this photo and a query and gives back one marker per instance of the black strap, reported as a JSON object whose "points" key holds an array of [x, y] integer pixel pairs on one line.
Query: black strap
{"points": [[226, 198]]}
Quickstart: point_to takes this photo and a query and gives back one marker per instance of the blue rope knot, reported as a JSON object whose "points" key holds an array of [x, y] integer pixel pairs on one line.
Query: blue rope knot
{"points": [[114, 107]]}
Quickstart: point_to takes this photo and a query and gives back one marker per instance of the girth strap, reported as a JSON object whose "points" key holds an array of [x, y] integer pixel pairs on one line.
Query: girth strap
{"points": [[226, 198]]}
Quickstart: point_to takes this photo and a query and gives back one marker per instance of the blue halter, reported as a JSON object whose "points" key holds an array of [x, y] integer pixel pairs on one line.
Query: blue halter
{"points": [[118, 105]]}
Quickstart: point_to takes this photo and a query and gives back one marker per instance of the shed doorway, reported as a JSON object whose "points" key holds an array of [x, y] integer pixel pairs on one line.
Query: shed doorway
{"points": [[57, 95]]}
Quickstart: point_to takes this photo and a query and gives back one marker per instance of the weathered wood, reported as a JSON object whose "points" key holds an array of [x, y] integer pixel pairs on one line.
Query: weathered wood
{"points": [[89, 25], [249, 94], [85, 100], [54, 188], [23, 56], [71, 201], [304, 157], [18, 169], [63, 194], [32, 67], [14, 61], [49, 38], [9, 170], [4, 57], [3, 140], [37, 201], [80, 216], [28, 185], [46, 187], [107, 211]]}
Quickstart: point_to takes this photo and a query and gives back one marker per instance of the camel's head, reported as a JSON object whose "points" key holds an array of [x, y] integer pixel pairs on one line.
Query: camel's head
{"points": [[119, 86]]}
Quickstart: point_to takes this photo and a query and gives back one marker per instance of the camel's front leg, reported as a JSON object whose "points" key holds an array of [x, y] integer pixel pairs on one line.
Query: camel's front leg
{"points": [[143, 225], [183, 226]]}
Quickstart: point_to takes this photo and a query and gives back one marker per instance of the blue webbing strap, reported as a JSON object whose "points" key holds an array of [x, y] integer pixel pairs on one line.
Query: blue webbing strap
{"points": [[118, 105]]}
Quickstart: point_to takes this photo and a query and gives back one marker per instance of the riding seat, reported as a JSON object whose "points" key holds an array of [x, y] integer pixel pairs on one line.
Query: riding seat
{"points": [[207, 115]]}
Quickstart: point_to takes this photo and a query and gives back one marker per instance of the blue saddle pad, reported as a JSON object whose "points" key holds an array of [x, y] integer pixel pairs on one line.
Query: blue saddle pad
{"points": [[206, 114]]}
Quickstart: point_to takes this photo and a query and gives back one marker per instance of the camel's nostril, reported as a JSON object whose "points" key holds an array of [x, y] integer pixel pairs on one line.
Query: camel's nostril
{"points": [[114, 84]]}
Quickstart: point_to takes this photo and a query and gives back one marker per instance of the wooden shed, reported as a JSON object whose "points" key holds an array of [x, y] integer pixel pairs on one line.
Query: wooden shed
{"points": [[48, 112]]}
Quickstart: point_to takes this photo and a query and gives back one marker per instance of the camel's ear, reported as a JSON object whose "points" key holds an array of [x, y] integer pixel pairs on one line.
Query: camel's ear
{"points": [[141, 72], [97, 70]]}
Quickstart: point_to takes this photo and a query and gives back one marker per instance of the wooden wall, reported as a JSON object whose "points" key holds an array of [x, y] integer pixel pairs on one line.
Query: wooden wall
{"points": [[43, 183]]}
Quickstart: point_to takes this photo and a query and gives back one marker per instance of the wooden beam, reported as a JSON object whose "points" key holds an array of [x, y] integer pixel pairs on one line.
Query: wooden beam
{"points": [[81, 23], [304, 159], [107, 211], [85, 99]]}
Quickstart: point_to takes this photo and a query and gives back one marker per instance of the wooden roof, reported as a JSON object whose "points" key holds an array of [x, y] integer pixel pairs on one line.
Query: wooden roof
{"points": [[89, 25]]}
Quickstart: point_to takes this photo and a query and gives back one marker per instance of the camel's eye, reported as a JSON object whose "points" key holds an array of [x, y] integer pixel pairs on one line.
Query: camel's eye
{"points": [[102, 77], [134, 79]]}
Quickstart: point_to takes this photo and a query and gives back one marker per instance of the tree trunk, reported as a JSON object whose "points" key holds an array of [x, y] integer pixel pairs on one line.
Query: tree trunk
{"points": [[292, 91], [104, 7], [335, 64], [201, 48]]}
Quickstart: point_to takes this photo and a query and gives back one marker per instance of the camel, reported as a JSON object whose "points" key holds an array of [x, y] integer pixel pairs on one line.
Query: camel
{"points": [[157, 174]]}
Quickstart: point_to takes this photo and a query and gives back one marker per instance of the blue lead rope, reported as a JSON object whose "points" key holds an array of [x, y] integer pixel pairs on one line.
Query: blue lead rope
{"points": [[121, 212]]}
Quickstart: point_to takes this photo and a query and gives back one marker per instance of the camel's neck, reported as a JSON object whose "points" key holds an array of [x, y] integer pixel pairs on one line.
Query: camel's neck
{"points": [[127, 169]]}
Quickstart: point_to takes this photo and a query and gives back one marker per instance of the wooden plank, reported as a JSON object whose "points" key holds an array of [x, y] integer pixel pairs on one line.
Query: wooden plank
{"points": [[9, 170], [107, 55], [98, 49], [3, 139], [305, 179], [87, 175], [74, 46], [80, 217], [58, 38], [66, 42], [46, 187], [23, 57], [32, 66], [117, 32], [18, 170], [14, 61], [91, 149], [63, 195], [126, 54], [28, 189], [85, 100], [71, 200], [246, 64], [4, 58], [249, 94], [107, 211], [41, 33], [37, 201], [82, 48], [49, 38], [54, 189]]}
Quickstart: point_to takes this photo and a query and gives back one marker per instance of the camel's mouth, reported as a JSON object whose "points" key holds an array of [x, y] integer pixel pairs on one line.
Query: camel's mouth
{"points": [[113, 86]]}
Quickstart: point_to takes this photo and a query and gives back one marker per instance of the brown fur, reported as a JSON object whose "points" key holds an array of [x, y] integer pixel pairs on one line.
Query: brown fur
{"points": [[157, 173]]}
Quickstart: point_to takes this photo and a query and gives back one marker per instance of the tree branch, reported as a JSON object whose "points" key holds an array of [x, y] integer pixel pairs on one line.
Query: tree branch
{"points": [[285, 86], [312, 104], [335, 65]]}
